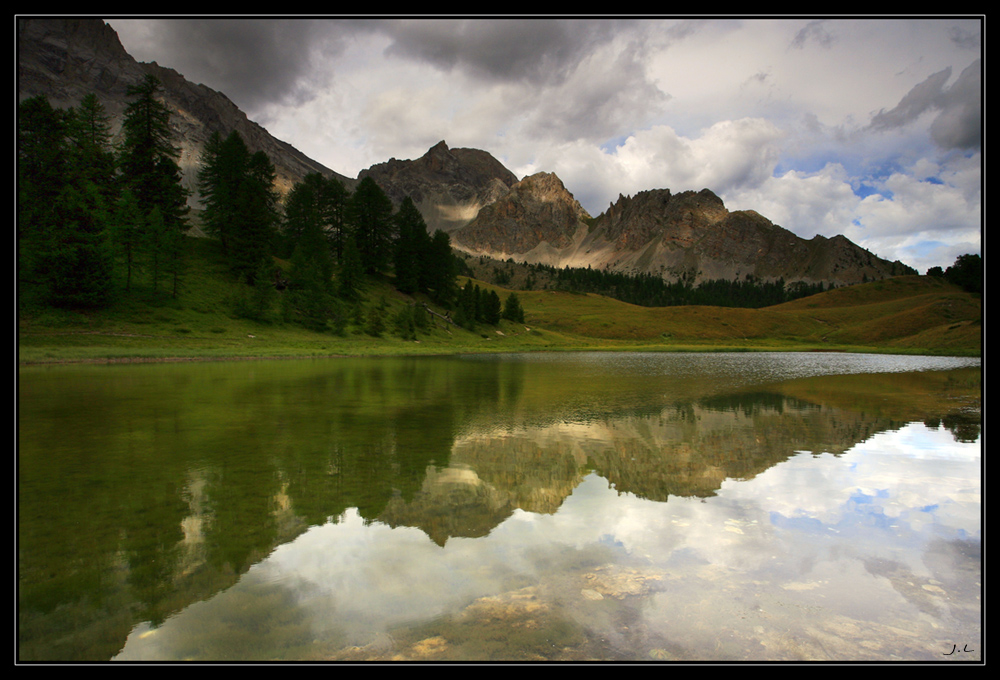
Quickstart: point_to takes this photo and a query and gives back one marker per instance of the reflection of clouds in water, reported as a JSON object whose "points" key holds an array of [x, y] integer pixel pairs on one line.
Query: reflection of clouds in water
{"points": [[809, 520]]}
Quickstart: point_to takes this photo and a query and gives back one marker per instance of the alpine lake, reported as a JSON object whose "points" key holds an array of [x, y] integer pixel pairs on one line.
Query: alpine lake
{"points": [[566, 507]]}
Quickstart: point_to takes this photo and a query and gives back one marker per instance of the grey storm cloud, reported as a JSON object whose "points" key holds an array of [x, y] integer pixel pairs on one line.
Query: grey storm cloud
{"points": [[541, 52], [254, 61], [958, 123]]}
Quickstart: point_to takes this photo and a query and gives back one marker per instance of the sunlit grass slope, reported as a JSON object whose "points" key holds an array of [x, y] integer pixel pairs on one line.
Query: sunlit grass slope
{"points": [[911, 313]]}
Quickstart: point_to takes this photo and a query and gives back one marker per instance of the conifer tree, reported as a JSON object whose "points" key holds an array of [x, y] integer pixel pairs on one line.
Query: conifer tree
{"points": [[350, 278], [147, 160], [512, 310], [64, 254], [237, 189], [412, 247], [440, 269], [371, 215], [147, 157], [256, 217], [492, 308]]}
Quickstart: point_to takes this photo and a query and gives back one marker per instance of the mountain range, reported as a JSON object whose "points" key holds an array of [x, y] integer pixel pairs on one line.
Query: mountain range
{"points": [[466, 192]]}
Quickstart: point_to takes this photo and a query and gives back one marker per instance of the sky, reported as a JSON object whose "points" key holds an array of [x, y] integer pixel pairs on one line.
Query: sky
{"points": [[867, 127]]}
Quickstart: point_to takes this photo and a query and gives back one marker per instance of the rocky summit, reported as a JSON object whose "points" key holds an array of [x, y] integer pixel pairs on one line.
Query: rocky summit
{"points": [[448, 186], [536, 221]]}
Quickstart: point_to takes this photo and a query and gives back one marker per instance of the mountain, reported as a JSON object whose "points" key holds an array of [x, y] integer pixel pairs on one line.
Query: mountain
{"points": [[689, 234], [448, 186], [66, 59], [466, 192]]}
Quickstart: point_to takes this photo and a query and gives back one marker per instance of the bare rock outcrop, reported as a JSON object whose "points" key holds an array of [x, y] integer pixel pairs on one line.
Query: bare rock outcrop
{"points": [[448, 186], [537, 212]]}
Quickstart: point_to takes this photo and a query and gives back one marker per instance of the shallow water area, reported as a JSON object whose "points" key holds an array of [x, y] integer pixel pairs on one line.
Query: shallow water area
{"points": [[567, 507]]}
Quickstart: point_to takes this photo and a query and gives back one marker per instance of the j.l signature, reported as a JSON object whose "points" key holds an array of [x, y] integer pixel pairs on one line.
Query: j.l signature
{"points": [[954, 648]]}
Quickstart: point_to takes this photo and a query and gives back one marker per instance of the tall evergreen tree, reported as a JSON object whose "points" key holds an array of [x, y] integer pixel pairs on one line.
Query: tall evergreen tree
{"points": [[512, 310], [42, 167], [64, 255], [492, 308], [256, 217], [237, 189], [149, 169], [224, 164], [412, 248], [147, 157], [81, 262], [371, 215], [350, 278], [89, 130], [440, 270]]}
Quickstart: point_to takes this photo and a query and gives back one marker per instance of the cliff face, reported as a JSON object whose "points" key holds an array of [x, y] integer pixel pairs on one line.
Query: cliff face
{"points": [[448, 186], [66, 59]]}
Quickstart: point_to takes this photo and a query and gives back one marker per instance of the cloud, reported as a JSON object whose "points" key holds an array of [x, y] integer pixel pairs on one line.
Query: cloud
{"points": [[817, 125], [958, 124], [814, 32], [253, 62], [539, 52]]}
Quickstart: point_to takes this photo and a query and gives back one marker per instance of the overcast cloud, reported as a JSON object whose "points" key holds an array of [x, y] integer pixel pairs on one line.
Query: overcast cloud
{"points": [[867, 128]]}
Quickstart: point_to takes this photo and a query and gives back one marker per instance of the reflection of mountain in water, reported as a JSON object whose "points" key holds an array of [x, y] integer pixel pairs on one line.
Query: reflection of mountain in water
{"points": [[685, 450]]}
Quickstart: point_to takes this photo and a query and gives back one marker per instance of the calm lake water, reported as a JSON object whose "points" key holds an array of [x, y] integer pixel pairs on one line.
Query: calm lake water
{"points": [[653, 507]]}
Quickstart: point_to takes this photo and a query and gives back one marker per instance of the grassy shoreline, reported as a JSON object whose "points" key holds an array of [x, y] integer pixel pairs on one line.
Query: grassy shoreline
{"points": [[903, 315], [96, 355]]}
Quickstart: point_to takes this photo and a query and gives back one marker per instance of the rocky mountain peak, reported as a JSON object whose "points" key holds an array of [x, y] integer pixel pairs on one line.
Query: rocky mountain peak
{"points": [[537, 210], [448, 186]]}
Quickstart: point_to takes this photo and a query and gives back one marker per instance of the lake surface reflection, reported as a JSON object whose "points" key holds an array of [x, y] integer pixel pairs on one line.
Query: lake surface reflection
{"points": [[528, 507]]}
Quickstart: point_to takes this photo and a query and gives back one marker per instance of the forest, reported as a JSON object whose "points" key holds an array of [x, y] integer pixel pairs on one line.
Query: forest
{"points": [[98, 222]]}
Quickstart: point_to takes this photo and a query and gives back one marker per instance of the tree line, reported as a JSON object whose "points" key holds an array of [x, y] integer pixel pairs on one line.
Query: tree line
{"points": [[652, 290], [967, 273]]}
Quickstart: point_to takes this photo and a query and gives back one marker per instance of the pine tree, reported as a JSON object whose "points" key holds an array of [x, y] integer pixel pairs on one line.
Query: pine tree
{"points": [[64, 254], [412, 247], [492, 308], [371, 215], [89, 131], [350, 278], [237, 189], [512, 310], [256, 217], [440, 269], [147, 156], [42, 168], [149, 170]]}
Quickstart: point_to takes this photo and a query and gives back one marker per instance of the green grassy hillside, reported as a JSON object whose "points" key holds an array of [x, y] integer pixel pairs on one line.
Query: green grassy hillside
{"points": [[910, 314]]}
